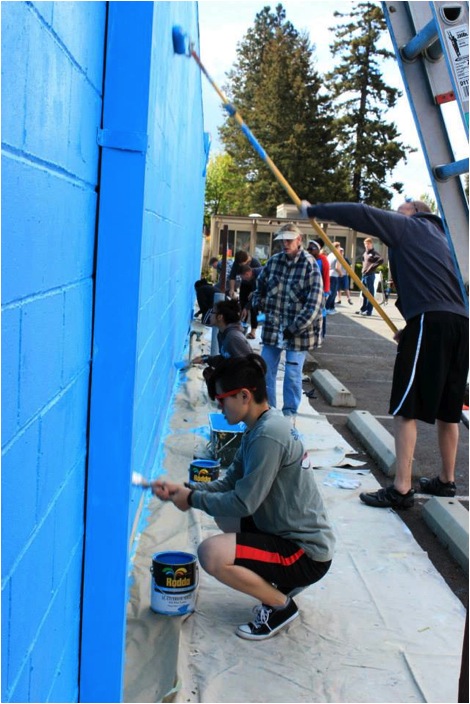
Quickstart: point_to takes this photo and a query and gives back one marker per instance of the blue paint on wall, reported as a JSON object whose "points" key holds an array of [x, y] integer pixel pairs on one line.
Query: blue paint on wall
{"points": [[52, 66], [62, 485], [149, 255]]}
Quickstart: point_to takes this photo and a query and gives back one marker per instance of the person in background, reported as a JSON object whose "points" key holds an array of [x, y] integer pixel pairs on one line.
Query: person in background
{"points": [[431, 366], [232, 341], [249, 276], [344, 282], [241, 258], [290, 292], [370, 261], [314, 248], [282, 540], [204, 296], [216, 263], [335, 270]]}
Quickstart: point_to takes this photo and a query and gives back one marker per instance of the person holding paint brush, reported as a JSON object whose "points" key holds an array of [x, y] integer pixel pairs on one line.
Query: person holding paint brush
{"points": [[225, 315], [283, 541]]}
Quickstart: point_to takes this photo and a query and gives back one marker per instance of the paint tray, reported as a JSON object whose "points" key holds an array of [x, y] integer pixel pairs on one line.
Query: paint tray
{"points": [[225, 439]]}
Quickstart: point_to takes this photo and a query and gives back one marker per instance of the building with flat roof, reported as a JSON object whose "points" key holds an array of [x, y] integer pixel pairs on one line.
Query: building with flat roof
{"points": [[255, 234]]}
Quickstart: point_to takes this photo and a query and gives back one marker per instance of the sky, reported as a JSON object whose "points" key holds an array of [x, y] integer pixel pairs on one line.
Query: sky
{"points": [[222, 24]]}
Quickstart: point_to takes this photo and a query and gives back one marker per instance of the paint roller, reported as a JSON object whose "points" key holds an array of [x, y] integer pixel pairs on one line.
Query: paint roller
{"points": [[181, 45]]}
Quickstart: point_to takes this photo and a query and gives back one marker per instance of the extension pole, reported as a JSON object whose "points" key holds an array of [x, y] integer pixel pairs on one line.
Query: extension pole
{"points": [[293, 195]]}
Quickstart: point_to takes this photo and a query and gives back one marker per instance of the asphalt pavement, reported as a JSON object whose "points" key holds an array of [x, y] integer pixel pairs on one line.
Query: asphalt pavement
{"points": [[360, 352]]}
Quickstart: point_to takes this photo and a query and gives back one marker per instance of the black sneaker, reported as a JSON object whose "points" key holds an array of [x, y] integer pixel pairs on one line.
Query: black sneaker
{"points": [[435, 487], [268, 621], [388, 498]]}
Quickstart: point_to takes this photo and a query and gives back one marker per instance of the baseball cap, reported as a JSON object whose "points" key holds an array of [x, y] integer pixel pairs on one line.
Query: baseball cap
{"points": [[288, 232]]}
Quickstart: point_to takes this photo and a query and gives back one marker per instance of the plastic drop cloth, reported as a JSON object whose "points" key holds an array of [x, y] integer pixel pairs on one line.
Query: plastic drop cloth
{"points": [[382, 626]]}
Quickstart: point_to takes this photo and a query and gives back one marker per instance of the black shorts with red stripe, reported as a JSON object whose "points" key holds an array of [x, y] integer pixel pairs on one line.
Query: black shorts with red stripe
{"points": [[278, 560]]}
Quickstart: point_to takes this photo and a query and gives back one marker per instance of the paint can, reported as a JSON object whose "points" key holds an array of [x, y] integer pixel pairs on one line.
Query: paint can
{"points": [[204, 470], [174, 583], [225, 438]]}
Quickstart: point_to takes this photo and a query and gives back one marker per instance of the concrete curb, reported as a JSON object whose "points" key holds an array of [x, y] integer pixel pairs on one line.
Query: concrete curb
{"points": [[377, 441], [448, 520], [331, 389]]}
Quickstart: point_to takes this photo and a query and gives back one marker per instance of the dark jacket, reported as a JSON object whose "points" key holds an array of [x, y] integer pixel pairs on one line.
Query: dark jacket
{"points": [[371, 259], [421, 262]]}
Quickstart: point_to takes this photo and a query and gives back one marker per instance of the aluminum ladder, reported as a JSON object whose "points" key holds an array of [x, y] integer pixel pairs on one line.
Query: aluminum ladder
{"points": [[430, 41]]}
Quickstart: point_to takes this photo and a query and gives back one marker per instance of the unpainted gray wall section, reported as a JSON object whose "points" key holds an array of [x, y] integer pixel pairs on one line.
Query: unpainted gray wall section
{"points": [[52, 65]]}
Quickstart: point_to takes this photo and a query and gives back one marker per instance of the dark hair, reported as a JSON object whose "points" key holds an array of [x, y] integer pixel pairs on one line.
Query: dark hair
{"points": [[230, 309], [244, 269], [241, 256], [240, 373], [212, 260]]}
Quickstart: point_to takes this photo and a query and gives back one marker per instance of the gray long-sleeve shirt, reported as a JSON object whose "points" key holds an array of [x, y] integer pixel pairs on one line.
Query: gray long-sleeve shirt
{"points": [[232, 343], [421, 263], [266, 481]]}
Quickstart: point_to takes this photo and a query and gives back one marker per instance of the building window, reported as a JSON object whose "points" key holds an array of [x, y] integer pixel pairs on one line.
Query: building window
{"points": [[242, 241], [262, 246], [230, 243]]}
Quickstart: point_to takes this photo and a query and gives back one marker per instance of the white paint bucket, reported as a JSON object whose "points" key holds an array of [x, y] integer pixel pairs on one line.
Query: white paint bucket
{"points": [[174, 583]]}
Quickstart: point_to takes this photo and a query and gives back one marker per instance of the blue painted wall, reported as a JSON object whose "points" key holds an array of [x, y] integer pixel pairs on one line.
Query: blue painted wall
{"points": [[82, 406], [172, 225], [52, 75], [149, 255]]}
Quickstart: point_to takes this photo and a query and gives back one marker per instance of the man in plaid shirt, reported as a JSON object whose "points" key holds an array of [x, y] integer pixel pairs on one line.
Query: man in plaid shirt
{"points": [[290, 292]]}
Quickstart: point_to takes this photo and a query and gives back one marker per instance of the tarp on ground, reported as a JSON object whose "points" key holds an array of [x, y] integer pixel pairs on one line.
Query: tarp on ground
{"points": [[382, 626]]}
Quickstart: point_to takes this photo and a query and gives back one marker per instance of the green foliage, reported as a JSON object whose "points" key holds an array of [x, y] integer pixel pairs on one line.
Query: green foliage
{"points": [[281, 97], [370, 145], [429, 201], [225, 188]]}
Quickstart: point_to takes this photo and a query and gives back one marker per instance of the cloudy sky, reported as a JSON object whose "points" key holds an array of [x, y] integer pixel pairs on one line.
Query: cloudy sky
{"points": [[222, 24]]}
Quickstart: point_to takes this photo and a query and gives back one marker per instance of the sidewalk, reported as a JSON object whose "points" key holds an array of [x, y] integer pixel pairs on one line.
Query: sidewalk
{"points": [[368, 632]]}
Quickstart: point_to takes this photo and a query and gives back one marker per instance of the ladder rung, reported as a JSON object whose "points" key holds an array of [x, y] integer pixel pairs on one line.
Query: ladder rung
{"points": [[446, 171], [420, 41]]}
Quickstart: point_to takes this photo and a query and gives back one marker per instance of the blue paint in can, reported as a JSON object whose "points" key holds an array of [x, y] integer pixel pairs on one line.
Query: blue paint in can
{"points": [[174, 583], [204, 470]]}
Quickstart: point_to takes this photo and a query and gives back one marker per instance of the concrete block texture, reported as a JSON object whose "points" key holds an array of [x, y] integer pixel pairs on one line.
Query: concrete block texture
{"points": [[332, 390], [448, 520], [52, 74], [377, 441]]}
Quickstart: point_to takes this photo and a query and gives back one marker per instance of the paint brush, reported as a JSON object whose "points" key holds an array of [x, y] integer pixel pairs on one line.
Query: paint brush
{"points": [[139, 480]]}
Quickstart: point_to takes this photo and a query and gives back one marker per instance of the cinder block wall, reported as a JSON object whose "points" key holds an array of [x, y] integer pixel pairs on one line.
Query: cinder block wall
{"points": [[52, 76], [172, 228]]}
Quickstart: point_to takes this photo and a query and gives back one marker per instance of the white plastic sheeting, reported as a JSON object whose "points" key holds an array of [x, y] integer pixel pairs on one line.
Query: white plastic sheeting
{"points": [[382, 626]]}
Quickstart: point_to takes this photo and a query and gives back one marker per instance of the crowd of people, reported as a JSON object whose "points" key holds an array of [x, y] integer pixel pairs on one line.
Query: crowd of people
{"points": [[277, 538]]}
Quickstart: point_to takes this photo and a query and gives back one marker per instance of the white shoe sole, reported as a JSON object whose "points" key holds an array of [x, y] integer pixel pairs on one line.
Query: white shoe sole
{"points": [[250, 636]]}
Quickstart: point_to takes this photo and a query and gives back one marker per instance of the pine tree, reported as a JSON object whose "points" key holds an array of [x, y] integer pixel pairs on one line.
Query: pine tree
{"points": [[280, 96], [370, 145]]}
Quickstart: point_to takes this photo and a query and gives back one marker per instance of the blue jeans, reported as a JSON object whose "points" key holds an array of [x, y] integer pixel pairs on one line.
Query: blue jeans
{"points": [[292, 388], [334, 286], [368, 281]]}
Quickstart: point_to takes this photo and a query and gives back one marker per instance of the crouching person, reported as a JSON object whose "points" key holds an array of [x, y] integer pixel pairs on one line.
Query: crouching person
{"points": [[283, 541]]}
